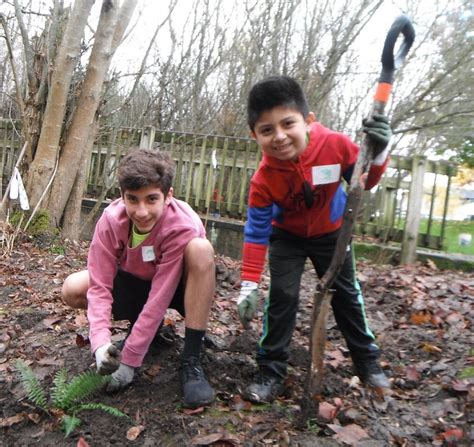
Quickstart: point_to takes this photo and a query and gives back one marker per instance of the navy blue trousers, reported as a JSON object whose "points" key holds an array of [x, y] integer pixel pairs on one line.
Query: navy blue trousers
{"points": [[287, 257]]}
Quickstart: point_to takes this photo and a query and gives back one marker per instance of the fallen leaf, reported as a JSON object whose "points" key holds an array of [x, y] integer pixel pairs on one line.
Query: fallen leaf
{"points": [[237, 403], [456, 319], [134, 432], [191, 411], [34, 417], [411, 373], [460, 385], [335, 357], [420, 318], [225, 438], [38, 434], [51, 361], [50, 321], [354, 382], [350, 434], [453, 436], [428, 347], [82, 442], [8, 422], [153, 370], [81, 320], [327, 411], [82, 341], [351, 414]]}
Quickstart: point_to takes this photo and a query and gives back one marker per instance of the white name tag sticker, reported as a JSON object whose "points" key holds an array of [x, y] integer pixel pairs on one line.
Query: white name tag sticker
{"points": [[148, 254], [323, 175]]}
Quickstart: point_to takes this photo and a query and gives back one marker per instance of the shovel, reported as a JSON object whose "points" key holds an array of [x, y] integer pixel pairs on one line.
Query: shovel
{"points": [[402, 26]]}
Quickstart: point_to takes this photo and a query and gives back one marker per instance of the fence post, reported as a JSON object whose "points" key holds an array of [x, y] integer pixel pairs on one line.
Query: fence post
{"points": [[147, 138], [410, 234]]}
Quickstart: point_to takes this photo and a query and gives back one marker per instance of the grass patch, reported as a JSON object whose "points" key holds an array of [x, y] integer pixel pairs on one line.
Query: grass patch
{"points": [[451, 234], [467, 373]]}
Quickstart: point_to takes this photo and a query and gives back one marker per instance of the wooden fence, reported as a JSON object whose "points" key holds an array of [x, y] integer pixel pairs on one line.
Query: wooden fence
{"points": [[390, 212]]}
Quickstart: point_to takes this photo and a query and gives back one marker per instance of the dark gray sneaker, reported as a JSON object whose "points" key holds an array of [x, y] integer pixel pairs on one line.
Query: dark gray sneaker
{"points": [[197, 391], [265, 388], [372, 374]]}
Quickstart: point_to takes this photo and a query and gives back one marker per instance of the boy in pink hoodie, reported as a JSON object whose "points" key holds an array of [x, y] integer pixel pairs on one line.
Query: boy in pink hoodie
{"points": [[149, 253]]}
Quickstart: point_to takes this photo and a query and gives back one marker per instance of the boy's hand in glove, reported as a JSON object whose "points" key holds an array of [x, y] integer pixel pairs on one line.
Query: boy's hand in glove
{"points": [[121, 378], [247, 302], [379, 132], [107, 359]]}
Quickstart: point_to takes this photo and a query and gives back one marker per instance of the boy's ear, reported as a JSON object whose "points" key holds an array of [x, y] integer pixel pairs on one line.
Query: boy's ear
{"points": [[252, 135], [311, 118], [169, 196]]}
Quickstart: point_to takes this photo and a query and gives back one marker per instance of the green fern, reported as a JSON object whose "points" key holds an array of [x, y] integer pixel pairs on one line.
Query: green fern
{"points": [[31, 384], [98, 406], [76, 391], [68, 397], [59, 384], [69, 423]]}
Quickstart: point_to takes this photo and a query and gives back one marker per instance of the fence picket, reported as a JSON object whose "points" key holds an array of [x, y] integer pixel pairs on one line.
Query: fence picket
{"points": [[224, 189]]}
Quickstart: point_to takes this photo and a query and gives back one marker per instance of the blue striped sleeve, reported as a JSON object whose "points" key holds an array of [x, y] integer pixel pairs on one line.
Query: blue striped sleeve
{"points": [[259, 225]]}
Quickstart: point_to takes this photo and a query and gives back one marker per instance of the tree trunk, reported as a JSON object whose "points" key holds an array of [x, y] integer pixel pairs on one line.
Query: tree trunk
{"points": [[72, 213], [47, 151], [111, 18]]}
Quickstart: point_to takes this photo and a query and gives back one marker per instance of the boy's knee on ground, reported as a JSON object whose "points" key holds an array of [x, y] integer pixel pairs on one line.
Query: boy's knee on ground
{"points": [[74, 290]]}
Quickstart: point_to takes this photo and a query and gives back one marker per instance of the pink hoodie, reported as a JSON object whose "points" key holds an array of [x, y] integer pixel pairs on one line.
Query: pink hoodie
{"points": [[110, 251]]}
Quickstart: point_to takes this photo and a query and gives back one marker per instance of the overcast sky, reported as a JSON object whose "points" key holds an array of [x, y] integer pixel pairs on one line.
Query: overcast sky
{"points": [[151, 12]]}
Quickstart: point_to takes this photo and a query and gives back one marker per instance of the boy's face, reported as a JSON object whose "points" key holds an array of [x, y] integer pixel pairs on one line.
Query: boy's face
{"points": [[145, 206], [281, 132]]}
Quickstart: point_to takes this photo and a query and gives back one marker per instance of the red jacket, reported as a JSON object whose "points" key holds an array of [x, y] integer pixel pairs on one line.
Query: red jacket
{"points": [[276, 194]]}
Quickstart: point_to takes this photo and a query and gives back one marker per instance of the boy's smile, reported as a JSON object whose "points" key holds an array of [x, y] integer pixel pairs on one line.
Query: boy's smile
{"points": [[281, 132], [145, 206]]}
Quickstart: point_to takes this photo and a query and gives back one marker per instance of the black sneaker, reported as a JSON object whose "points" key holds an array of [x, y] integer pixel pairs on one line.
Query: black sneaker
{"points": [[371, 374], [197, 391], [265, 388]]}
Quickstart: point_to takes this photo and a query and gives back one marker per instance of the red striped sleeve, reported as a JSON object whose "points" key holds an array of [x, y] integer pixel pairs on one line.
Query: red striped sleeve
{"points": [[253, 261]]}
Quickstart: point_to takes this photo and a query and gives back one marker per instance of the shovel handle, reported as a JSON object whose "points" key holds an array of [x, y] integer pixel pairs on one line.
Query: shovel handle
{"points": [[390, 61]]}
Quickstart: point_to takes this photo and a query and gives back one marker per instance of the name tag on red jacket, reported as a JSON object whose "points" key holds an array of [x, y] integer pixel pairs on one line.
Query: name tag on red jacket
{"points": [[322, 175]]}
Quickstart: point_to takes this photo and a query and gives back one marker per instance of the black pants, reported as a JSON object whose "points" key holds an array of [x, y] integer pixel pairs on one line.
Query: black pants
{"points": [[287, 257], [131, 293]]}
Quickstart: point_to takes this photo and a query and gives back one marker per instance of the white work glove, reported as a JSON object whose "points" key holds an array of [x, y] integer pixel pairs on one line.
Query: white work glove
{"points": [[121, 378], [107, 359], [247, 302]]}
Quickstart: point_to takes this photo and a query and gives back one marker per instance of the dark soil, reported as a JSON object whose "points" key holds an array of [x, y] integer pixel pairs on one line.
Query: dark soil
{"points": [[422, 317]]}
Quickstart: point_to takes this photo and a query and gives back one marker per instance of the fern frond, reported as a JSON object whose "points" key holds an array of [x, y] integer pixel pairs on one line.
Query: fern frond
{"points": [[58, 387], [98, 406], [32, 386], [79, 389], [69, 423]]}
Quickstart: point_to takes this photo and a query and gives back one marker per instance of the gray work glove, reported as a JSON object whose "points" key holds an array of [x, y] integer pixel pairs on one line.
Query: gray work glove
{"points": [[107, 359], [121, 378], [379, 132], [247, 302]]}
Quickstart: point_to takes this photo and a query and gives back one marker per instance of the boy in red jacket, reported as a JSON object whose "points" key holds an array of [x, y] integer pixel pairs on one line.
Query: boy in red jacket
{"points": [[296, 203], [149, 253]]}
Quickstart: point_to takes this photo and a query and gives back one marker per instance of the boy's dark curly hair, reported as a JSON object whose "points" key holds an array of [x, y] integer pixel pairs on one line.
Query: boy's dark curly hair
{"points": [[275, 91], [144, 167]]}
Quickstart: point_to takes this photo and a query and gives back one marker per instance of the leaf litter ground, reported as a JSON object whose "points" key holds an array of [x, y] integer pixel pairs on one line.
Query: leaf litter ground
{"points": [[423, 318]]}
